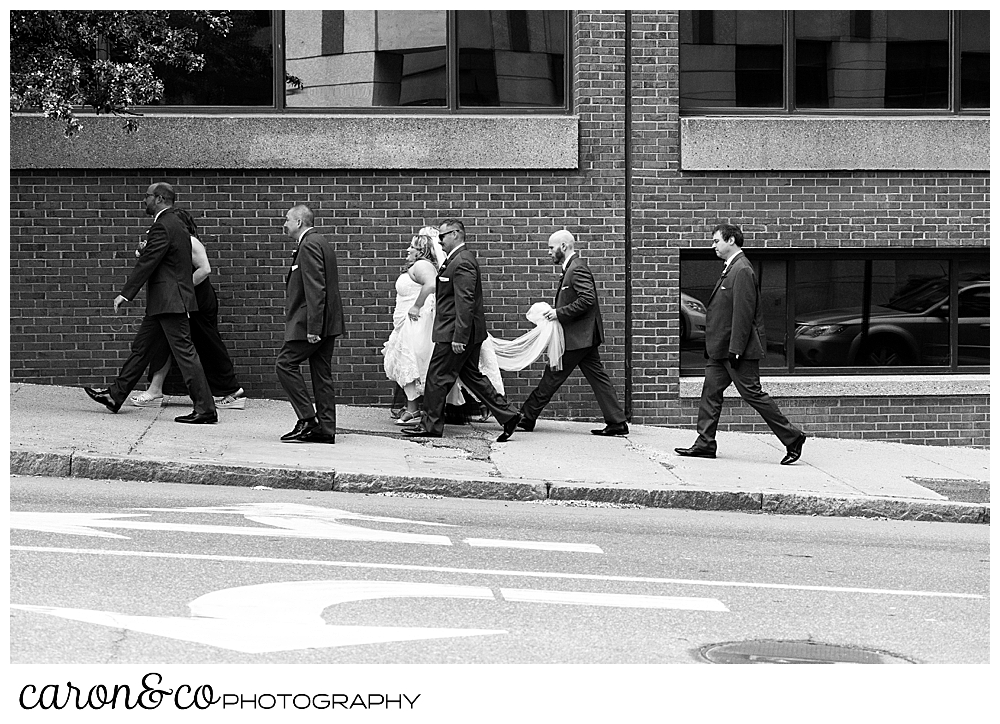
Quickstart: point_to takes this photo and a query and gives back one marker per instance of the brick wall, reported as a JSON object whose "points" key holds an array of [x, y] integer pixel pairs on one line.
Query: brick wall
{"points": [[946, 420], [73, 234]]}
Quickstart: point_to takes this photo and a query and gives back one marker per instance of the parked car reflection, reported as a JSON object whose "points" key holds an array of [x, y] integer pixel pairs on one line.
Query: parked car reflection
{"points": [[909, 329], [692, 319]]}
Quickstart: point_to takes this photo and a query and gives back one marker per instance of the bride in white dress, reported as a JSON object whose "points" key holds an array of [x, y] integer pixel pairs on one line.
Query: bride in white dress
{"points": [[407, 353]]}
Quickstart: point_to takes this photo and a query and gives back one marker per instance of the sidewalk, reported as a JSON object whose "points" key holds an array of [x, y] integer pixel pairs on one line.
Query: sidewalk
{"points": [[59, 431]]}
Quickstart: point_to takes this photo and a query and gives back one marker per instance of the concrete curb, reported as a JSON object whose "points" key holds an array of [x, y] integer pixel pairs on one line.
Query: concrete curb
{"points": [[108, 467]]}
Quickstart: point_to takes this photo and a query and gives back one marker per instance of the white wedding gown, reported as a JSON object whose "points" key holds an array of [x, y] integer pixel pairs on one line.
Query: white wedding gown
{"points": [[407, 353]]}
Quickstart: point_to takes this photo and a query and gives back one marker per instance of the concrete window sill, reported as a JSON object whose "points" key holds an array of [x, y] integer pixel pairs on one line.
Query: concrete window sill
{"points": [[341, 141], [859, 386]]}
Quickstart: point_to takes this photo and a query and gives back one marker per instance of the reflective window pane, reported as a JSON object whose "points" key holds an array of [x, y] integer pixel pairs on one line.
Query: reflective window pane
{"points": [[828, 304], [975, 58], [365, 58], [973, 312], [698, 278], [238, 68], [511, 58], [731, 58], [871, 58]]}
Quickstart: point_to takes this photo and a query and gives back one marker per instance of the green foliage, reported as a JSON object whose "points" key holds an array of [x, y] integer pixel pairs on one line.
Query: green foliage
{"points": [[61, 60]]}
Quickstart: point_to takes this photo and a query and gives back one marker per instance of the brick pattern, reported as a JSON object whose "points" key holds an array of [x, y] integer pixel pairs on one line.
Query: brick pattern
{"points": [[953, 420], [73, 234]]}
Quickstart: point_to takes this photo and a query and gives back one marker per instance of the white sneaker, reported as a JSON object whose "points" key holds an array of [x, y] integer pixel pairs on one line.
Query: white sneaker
{"points": [[235, 401]]}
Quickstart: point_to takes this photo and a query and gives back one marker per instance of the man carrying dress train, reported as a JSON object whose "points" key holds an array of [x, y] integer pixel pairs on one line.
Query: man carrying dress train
{"points": [[579, 313], [458, 336]]}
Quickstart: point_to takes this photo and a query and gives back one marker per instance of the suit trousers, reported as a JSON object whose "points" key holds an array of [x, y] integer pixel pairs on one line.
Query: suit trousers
{"points": [[718, 376], [588, 360], [215, 360], [445, 367], [176, 330], [288, 368]]}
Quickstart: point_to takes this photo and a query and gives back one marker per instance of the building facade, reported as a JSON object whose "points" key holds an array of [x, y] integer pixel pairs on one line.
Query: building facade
{"points": [[852, 147]]}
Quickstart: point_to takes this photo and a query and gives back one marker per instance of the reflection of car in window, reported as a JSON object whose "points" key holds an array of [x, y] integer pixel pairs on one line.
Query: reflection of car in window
{"points": [[910, 329], [692, 318]]}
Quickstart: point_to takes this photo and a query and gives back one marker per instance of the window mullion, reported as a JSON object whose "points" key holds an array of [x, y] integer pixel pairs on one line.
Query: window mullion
{"points": [[789, 35], [451, 36], [278, 43]]}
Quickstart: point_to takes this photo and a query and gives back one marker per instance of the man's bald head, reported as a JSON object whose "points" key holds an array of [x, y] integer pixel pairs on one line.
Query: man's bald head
{"points": [[561, 244]]}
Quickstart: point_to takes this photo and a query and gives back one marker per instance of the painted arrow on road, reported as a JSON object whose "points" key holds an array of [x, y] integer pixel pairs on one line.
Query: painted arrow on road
{"points": [[284, 520], [283, 616], [287, 616]]}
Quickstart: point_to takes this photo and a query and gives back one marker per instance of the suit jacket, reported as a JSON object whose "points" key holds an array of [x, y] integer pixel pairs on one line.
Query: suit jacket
{"points": [[164, 266], [735, 320], [459, 298], [577, 307], [312, 304]]}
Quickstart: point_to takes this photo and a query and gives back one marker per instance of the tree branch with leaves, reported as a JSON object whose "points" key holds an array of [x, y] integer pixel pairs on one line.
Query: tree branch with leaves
{"points": [[65, 60]]}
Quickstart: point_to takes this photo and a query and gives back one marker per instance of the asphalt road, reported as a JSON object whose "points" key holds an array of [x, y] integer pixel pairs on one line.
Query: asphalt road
{"points": [[137, 573]]}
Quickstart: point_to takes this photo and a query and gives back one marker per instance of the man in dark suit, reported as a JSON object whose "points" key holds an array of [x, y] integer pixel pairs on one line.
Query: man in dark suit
{"points": [[164, 267], [458, 335], [314, 318], [579, 313], [734, 346]]}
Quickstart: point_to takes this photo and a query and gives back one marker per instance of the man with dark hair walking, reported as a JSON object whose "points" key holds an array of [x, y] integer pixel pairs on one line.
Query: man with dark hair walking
{"points": [[458, 336], [164, 267], [734, 346]]}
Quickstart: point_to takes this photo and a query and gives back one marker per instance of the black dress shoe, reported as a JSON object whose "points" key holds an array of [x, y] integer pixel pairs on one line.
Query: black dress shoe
{"points": [[199, 418], [615, 428], [303, 426], [525, 424], [509, 427], [104, 397], [419, 432], [694, 452], [317, 435], [794, 451]]}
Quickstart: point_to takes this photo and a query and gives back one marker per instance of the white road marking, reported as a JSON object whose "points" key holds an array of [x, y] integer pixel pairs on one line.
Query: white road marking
{"points": [[491, 572], [285, 520], [619, 600], [86, 524], [533, 545], [283, 616]]}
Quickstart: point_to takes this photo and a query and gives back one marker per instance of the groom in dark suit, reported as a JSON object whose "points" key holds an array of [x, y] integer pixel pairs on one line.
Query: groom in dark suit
{"points": [[164, 268], [579, 313], [734, 346], [458, 336]]}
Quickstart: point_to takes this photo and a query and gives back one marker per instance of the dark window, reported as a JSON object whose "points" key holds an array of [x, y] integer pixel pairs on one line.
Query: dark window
{"points": [[511, 58], [847, 311], [347, 59], [731, 58], [845, 60], [975, 59], [239, 69]]}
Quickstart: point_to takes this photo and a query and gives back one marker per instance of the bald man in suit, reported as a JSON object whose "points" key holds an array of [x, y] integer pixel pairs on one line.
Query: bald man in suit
{"points": [[579, 312]]}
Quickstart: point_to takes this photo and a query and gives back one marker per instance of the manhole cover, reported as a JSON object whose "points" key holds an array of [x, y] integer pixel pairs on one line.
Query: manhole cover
{"points": [[794, 652]]}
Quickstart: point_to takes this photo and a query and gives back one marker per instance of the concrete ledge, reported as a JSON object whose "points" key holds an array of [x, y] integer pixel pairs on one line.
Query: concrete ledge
{"points": [[858, 386], [892, 508], [100, 467], [85, 465], [480, 489], [844, 143], [31, 462], [168, 141]]}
